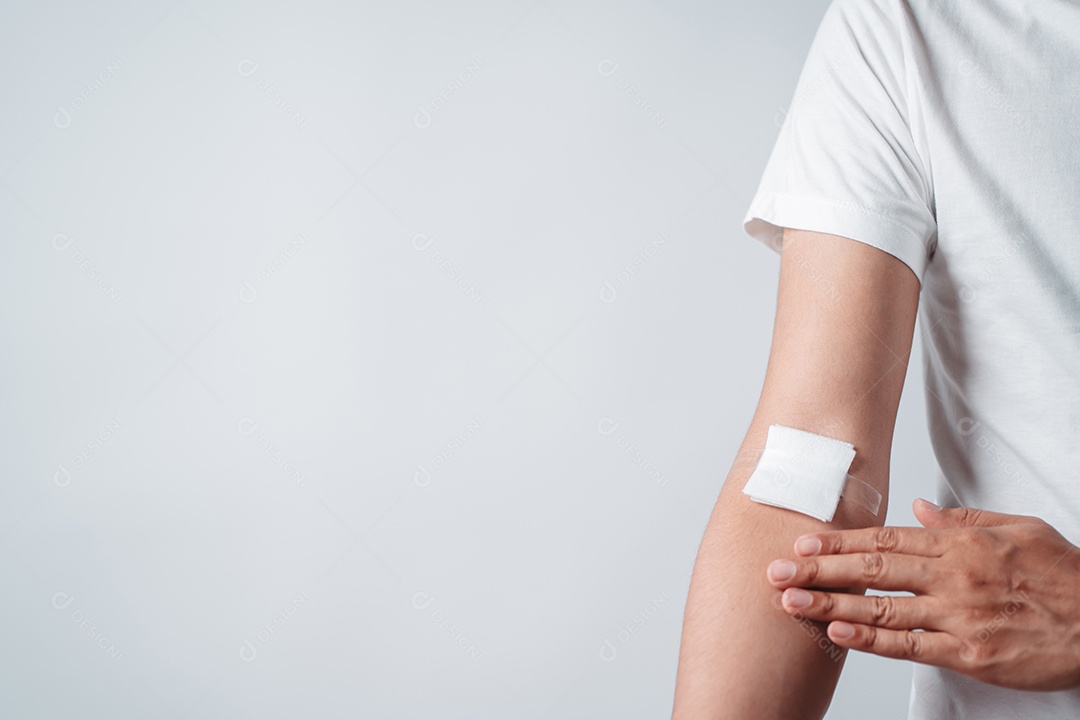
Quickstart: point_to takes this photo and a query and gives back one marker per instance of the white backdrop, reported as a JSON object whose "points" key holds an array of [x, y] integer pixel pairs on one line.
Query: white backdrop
{"points": [[383, 359]]}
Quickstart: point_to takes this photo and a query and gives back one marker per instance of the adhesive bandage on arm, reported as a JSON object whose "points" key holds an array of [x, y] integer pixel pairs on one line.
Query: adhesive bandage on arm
{"points": [[808, 473]]}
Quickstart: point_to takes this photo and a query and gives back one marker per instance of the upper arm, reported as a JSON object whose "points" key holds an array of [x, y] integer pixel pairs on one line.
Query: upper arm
{"points": [[845, 317]]}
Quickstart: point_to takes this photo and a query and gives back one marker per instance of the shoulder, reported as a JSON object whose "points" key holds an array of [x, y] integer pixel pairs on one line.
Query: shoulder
{"points": [[879, 34], [884, 18]]}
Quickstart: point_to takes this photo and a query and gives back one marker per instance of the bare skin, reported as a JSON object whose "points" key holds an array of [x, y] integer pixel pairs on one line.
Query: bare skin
{"points": [[845, 318], [995, 595]]}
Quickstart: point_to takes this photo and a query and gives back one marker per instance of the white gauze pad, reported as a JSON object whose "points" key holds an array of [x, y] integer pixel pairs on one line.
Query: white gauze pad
{"points": [[807, 473]]}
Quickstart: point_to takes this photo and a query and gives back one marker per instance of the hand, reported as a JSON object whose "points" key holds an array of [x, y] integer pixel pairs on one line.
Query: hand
{"points": [[996, 596]]}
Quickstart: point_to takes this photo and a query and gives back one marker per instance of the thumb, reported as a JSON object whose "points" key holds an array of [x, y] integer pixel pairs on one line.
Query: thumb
{"points": [[932, 516]]}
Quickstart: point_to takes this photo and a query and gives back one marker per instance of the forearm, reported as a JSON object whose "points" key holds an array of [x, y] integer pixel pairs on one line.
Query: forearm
{"points": [[741, 655]]}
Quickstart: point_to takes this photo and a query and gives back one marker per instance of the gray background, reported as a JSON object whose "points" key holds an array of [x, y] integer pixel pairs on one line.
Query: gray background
{"points": [[381, 360]]}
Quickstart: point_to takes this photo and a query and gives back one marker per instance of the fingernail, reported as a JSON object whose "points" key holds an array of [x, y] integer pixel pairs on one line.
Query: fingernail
{"points": [[780, 570], [929, 505], [841, 630], [796, 598], [807, 546]]}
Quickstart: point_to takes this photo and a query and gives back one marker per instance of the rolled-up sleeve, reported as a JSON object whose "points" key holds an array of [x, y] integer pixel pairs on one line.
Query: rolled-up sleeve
{"points": [[845, 161]]}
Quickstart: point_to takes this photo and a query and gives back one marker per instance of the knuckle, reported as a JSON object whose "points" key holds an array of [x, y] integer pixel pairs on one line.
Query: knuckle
{"points": [[976, 653], [873, 639], [883, 610], [1017, 585], [911, 644], [809, 570], [980, 657], [886, 539], [971, 578], [825, 604], [873, 566], [967, 515], [1041, 523], [975, 616]]}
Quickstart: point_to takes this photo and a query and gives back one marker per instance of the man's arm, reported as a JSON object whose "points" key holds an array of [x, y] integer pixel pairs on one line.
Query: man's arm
{"points": [[845, 317]]}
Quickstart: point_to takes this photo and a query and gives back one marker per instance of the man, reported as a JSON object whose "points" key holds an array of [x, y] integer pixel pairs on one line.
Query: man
{"points": [[929, 163]]}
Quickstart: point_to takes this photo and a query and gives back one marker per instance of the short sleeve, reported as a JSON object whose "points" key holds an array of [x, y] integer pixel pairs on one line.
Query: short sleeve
{"points": [[846, 161]]}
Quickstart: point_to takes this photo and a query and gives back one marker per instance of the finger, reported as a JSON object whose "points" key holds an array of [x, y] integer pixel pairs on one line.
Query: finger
{"points": [[882, 571], [967, 517], [932, 648], [884, 611], [888, 539]]}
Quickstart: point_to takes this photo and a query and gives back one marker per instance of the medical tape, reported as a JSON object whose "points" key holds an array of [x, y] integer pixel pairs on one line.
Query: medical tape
{"points": [[808, 473]]}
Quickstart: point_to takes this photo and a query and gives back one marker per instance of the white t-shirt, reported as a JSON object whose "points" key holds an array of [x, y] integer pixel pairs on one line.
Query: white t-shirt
{"points": [[947, 133]]}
